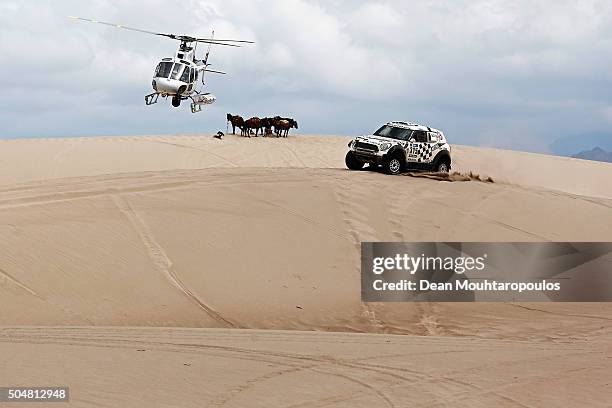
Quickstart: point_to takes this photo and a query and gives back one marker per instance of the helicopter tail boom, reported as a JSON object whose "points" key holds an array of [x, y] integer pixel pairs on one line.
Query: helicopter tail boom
{"points": [[214, 71]]}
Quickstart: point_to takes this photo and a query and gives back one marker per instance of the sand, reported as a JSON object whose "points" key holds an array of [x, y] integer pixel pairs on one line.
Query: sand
{"points": [[155, 367], [25, 160], [176, 245]]}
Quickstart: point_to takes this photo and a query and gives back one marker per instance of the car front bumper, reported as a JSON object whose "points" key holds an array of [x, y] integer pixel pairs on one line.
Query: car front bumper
{"points": [[368, 156]]}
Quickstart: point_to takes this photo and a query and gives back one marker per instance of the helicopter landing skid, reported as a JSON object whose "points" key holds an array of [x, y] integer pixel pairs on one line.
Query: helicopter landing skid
{"points": [[196, 107], [151, 99]]}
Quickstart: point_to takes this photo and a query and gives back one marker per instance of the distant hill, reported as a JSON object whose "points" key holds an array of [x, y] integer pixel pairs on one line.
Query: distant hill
{"points": [[596, 154], [569, 145]]}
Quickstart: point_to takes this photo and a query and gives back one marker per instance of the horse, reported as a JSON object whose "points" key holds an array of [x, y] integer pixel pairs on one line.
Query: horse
{"points": [[293, 123], [266, 124], [283, 125], [252, 123], [236, 121]]}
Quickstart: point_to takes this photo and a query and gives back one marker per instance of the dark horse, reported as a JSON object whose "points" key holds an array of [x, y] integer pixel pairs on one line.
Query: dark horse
{"points": [[253, 123], [266, 124], [236, 121], [283, 125]]}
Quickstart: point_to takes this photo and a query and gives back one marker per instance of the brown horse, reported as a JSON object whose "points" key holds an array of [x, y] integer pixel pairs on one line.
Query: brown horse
{"points": [[237, 122], [283, 125], [253, 123]]}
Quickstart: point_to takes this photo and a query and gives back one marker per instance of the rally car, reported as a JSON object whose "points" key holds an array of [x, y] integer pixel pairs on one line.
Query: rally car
{"points": [[401, 145]]}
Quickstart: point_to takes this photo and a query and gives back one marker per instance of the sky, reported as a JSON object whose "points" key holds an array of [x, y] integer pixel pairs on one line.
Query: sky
{"points": [[517, 74]]}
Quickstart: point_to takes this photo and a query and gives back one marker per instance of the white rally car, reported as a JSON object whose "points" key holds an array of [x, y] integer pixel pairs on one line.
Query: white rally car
{"points": [[401, 145]]}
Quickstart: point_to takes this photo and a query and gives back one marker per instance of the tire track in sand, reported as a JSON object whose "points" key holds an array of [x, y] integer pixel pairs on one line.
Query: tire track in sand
{"points": [[16, 282], [160, 260], [10, 278], [359, 227]]}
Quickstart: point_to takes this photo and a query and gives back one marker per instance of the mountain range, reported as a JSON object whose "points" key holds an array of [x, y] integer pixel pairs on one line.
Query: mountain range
{"points": [[596, 154]]}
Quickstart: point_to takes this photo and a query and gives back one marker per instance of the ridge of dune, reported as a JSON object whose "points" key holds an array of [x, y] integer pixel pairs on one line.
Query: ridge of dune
{"points": [[26, 160]]}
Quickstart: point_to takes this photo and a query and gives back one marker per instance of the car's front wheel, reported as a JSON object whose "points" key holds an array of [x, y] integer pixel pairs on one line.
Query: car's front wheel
{"points": [[393, 165], [353, 162]]}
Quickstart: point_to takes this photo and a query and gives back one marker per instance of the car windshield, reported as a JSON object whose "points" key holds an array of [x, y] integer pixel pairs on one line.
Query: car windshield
{"points": [[163, 69], [393, 132]]}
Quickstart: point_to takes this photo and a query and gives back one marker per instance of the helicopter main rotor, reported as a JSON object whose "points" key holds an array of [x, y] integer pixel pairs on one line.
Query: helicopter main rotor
{"points": [[184, 39]]}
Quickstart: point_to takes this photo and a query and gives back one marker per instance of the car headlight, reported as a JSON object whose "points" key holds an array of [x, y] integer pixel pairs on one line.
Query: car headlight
{"points": [[384, 146], [350, 145]]}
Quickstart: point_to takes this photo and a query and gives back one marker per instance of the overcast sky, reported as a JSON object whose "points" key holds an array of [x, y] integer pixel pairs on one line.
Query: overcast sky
{"points": [[517, 74]]}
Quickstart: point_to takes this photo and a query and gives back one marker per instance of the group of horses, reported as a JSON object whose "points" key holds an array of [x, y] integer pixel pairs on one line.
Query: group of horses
{"points": [[268, 126]]}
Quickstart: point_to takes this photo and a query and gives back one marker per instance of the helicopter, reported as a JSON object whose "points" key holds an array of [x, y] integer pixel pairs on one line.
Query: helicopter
{"points": [[179, 76]]}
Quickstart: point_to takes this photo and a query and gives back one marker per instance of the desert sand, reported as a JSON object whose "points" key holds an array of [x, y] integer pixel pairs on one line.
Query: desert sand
{"points": [[191, 271]]}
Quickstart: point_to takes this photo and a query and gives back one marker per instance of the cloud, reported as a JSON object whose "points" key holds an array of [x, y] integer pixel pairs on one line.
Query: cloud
{"points": [[477, 69]]}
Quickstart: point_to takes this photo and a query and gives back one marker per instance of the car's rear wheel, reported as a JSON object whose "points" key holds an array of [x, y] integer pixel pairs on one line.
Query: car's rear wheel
{"points": [[353, 162], [393, 165], [442, 166]]}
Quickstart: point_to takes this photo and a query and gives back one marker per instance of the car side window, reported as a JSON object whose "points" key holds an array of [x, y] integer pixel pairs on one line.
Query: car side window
{"points": [[419, 136]]}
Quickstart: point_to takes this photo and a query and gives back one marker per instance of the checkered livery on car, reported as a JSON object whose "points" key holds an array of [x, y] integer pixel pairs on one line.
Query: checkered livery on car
{"points": [[423, 151], [414, 146]]}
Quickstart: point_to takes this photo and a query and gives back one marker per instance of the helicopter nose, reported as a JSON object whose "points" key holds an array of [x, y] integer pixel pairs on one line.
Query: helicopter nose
{"points": [[164, 85]]}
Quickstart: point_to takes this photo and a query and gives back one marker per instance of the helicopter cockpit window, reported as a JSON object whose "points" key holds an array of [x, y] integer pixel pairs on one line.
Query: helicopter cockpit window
{"points": [[176, 70], [185, 76], [163, 69]]}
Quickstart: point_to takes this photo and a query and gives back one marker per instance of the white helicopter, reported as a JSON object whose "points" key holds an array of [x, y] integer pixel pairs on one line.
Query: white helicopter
{"points": [[179, 76]]}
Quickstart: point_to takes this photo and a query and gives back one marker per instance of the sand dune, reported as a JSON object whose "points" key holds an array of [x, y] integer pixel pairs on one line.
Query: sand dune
{"points": [[253, 247], [260, 234]]}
